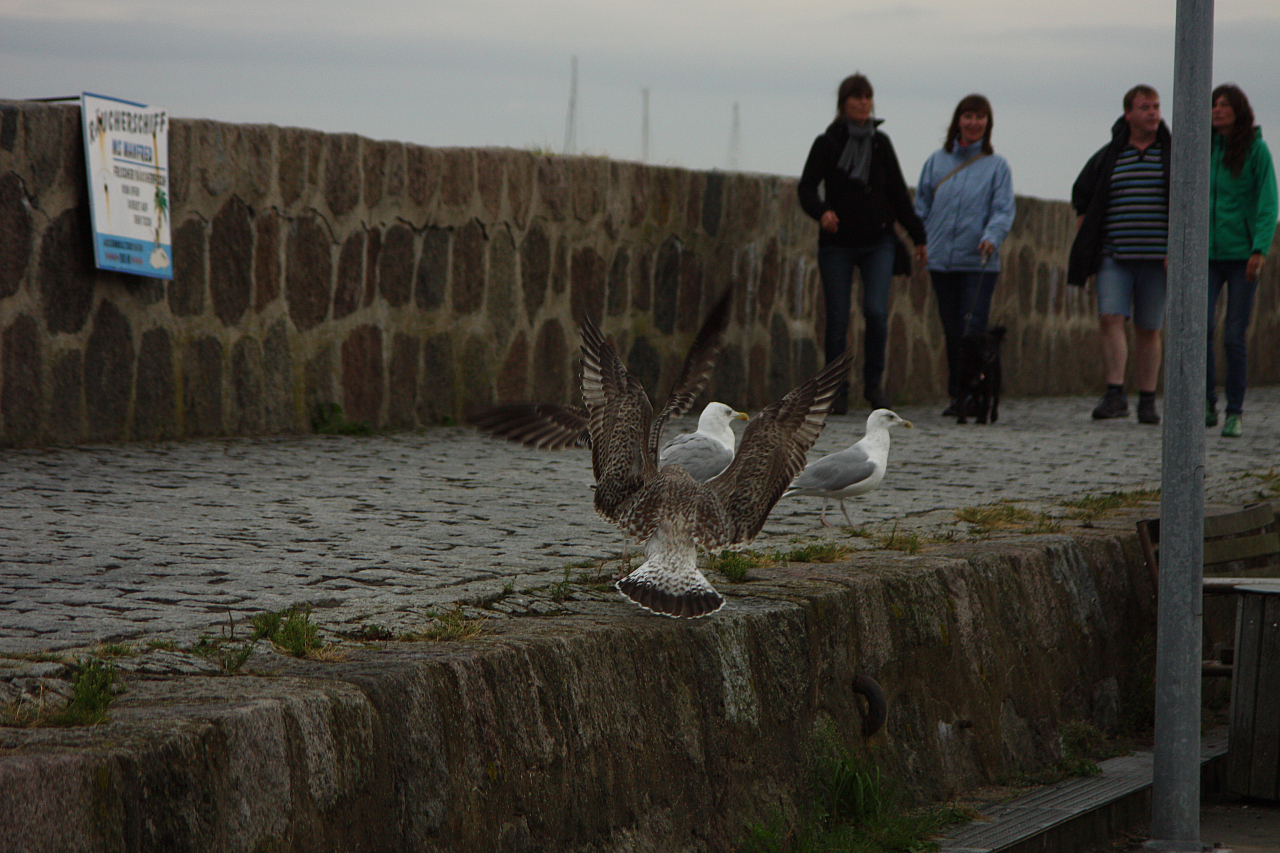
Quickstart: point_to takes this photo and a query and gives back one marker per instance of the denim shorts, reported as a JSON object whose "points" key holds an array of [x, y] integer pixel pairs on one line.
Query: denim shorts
{"points": [[1138, 283]]}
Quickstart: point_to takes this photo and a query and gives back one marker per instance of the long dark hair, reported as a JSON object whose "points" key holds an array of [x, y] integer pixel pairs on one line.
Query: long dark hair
{"points": [[1242, 131], [970, 104]]}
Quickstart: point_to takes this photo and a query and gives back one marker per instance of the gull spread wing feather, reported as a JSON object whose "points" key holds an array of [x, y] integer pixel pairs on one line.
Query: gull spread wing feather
{"points": [[620, 418], [544, 426], [547, 426], [695, 373]]}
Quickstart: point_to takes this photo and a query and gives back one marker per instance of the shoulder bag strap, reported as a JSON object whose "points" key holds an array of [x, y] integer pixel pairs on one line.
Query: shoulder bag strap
{"points": [[973, 159]]}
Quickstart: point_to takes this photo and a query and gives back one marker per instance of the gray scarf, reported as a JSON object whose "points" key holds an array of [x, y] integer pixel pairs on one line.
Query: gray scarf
{"points": [[855, 159]]}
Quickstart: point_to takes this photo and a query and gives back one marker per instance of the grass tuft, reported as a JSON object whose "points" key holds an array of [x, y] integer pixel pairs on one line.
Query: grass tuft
{"points": [[736, 565], [453, 624], [227, 655], [819, 552], [1082, 746], [559, 590], [1091, 507], [851, 807], [1004, 515], [114, 650], [93, 689], [290, 630], [895, 541], [329, 420]]}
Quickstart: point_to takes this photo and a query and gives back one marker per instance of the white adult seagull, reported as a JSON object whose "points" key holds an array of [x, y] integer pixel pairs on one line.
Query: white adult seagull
{"points": [[707, 451], [853, 471]]}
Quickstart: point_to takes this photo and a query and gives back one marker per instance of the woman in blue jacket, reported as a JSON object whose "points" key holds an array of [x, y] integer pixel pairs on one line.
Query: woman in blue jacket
{"points": [[965, 197], [1242, 222]]}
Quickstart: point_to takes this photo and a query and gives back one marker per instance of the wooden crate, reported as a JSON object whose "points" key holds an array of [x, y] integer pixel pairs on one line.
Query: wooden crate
{"points": [[1253, 753]]}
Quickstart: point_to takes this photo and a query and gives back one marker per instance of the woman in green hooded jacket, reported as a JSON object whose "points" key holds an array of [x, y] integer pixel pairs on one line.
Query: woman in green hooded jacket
{"points": [[1242, 222]]}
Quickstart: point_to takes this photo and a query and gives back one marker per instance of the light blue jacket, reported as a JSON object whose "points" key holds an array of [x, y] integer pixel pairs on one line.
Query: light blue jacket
{"points": [[975, 204]]}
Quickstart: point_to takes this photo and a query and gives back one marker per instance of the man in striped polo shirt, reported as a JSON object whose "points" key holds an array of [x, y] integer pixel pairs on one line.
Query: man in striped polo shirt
{"points": [[1122, 198]]}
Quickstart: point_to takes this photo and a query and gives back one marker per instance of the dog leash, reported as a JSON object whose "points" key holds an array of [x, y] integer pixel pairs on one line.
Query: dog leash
{"points": [[973, 303]]}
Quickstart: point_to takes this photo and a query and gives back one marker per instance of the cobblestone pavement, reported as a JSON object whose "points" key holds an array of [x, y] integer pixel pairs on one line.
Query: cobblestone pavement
{"points": [[176, 540]]}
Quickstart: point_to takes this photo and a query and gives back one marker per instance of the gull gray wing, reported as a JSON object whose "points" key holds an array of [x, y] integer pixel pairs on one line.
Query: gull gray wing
{"points": [[703, 457], [837, 471]]}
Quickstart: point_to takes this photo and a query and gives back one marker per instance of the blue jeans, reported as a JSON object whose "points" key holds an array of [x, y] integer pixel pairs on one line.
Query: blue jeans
{"points": [[964, 303], [875, 263], [1141, 284], [1239, 310]]}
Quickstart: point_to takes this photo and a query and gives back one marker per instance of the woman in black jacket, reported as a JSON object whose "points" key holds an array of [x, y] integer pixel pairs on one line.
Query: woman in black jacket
{"points": [[853, 186]]}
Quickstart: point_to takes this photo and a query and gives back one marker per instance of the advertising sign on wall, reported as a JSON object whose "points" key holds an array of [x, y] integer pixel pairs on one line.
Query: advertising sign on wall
{"points": [[126, 148]]}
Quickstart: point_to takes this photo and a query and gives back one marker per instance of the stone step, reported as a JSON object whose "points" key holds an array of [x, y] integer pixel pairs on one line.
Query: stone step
{"points": [[1075, 813]]}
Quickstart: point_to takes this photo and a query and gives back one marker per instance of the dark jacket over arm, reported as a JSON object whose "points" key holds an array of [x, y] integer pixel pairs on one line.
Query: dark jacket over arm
{"points": [[1091, 194], [866, 211]]}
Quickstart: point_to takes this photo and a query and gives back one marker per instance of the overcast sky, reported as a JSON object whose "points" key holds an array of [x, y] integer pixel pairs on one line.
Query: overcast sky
{"points": [[497, 72]]}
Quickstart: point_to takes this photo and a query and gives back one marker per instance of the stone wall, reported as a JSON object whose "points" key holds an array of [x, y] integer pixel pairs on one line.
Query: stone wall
{"points": [[603, 728], [411, 285]]}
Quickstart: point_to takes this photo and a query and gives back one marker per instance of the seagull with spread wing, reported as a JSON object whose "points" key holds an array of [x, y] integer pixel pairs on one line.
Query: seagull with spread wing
{"points": [[666, 508], [704, 453]]}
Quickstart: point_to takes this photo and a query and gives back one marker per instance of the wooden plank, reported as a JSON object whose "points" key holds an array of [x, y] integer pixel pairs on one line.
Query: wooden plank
{"points": [[1244, 687], [1149, 539], [1241, 548], [1264, 778], [1235, 523], [1227, 585]]}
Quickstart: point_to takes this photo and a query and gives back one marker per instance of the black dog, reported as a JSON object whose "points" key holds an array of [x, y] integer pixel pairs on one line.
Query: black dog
{"points": [[980, 376]]}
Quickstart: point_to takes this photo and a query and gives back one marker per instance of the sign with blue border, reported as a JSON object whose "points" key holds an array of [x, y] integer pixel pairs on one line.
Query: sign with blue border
{"points": [[126, 148]]}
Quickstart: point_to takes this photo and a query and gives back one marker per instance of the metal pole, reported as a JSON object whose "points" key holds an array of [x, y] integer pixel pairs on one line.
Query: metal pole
{"points": [[644, 125], [571, 122], [1175, 793]]}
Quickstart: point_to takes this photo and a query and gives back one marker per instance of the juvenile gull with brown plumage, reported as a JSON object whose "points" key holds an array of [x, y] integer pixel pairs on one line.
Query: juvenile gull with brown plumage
{"points": [[666, 508], [704, 452]]}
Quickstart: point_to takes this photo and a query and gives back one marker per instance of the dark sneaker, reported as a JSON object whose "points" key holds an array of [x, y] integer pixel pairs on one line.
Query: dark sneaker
{"points": [[877, 398], [1113, 405], [1233, 426], [952, 410], [1210, 415], [1147, 413]]}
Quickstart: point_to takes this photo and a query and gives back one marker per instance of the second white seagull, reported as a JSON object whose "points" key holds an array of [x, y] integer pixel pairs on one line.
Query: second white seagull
{"points": [[853, 471], [709, 450]]}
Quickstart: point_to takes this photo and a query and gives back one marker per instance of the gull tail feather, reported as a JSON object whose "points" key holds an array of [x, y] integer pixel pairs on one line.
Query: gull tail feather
{"points": [[669, 594]]}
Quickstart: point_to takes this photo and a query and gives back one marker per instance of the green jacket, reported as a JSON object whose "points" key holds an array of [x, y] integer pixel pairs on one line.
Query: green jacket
{"points": [[1242, 208]]}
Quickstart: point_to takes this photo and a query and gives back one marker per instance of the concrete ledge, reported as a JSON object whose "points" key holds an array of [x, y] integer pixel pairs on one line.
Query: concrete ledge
{"points": [[605, 728]]}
